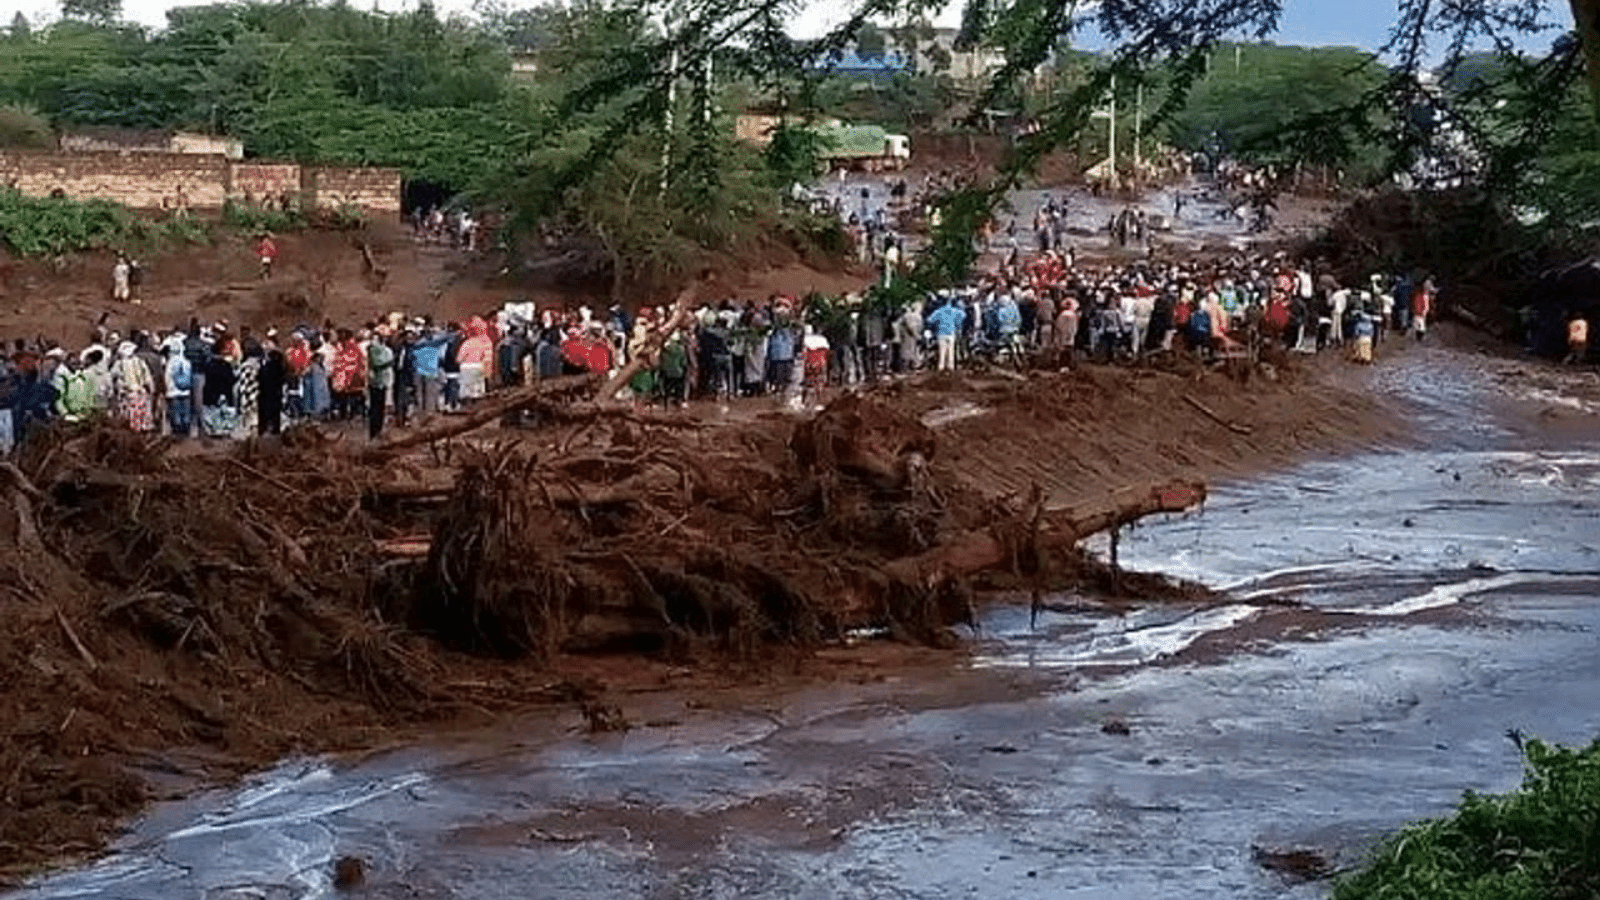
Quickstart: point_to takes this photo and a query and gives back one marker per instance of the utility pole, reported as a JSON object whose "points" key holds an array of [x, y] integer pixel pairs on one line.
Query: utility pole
{"points": [[666, 118], [1112, 131], [1138, 130], [705, 109]]}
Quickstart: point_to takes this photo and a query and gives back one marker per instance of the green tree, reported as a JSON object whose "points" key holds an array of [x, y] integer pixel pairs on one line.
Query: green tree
{"points": [[20, 30], [99, 12], [1256, 93], [871, 43]]}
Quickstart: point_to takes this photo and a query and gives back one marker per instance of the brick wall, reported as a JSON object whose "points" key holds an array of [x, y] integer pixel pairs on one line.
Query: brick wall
{"points": [[253, 182], [156, 180], [140, 180], [372, 189]]}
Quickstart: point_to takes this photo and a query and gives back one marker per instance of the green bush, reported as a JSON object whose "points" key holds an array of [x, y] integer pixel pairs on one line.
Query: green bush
{"points": [[165, 232], [41, 226], [21, 127], [255, 219], [1540, 842]]}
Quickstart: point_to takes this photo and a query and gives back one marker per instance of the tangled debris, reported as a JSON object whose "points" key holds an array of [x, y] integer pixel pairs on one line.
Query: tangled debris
{"points": [[296, 595]]}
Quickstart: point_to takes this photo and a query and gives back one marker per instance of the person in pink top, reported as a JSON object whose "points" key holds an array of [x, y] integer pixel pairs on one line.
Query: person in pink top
{"points": [[475, 354]]}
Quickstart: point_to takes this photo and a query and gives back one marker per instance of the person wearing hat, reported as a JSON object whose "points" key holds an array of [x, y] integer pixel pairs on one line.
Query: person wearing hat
{"points": [[179, 377], [133, 386]]}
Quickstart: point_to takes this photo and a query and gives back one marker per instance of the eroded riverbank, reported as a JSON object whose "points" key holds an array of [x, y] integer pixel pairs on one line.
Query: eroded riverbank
{"points": [[1389, 616]]}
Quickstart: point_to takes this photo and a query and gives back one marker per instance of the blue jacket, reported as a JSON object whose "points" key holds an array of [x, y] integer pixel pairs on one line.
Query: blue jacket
{"points": [[425, 354], [780, 346], [1010, 318], [946, 321]]}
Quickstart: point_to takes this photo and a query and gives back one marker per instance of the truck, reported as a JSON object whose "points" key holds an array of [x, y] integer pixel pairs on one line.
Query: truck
{"points": [[869, 148]]}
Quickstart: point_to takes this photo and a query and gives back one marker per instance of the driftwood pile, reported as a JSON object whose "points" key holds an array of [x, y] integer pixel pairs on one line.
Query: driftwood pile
{"points": [[258, 598]]}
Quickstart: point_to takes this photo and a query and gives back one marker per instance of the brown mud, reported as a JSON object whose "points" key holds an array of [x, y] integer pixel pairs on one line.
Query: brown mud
{"points": [[203, 614], [321, 275]]}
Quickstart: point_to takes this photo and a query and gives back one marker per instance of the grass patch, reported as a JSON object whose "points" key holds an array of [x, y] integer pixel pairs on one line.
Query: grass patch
{"points": [[1539, 842], [54, 226]]}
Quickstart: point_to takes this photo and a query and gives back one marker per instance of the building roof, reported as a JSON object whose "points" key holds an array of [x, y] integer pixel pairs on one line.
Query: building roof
{"points": [[889, 63]]}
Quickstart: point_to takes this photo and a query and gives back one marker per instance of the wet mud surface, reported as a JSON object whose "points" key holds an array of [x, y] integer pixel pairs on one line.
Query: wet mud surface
{"points": [[1387, 617]]}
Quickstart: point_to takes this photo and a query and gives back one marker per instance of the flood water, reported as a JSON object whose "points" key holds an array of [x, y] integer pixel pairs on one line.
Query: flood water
{"points": [[1388, 618]]}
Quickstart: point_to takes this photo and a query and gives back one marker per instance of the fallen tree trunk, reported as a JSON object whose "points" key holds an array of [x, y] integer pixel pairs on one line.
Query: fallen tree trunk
{"points": [[489, 410], [559, 492], [682, 311], [976, 551]]}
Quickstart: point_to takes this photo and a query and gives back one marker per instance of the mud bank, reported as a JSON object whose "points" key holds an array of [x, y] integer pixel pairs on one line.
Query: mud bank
{"points": [[1360, 673], [179, 619]]}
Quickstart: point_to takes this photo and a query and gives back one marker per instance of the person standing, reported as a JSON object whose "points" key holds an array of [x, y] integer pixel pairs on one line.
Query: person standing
{"points": [[908, 333], [1577, 339], [427, 354], [380, 379], [121, 279], [133, 386], [219, 414], [180, 380], [946, 322], [274, 378], [250, 392], [1421, 308], [267, 250], [348, 375]]}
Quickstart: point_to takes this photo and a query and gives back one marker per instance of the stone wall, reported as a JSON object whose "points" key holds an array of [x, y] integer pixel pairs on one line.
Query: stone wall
{"points": [[372, 189], [196, 181], [254, 182], [140, 180]]}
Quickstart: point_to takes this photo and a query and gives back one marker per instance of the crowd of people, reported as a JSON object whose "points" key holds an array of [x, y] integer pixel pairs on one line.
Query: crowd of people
{"points": [[217, 382]]}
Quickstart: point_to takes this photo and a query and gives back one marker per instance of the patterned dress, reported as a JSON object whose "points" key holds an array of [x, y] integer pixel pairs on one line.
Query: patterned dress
{"points": [[133, 387], [249, 395]]}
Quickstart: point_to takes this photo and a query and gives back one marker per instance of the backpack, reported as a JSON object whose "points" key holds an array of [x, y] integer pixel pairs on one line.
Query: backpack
{"points": [[183, 378]]}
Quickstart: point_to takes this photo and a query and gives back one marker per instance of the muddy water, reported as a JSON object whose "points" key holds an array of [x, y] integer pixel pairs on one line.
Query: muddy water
{"points": [[1388, 618], [1204, 222]]}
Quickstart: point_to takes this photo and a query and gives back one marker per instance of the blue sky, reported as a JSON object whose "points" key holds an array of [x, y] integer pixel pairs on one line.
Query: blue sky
{"points": [[1361, 23]]}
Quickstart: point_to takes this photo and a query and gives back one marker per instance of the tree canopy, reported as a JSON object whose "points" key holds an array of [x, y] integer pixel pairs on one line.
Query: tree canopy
{"points": [[326, 82]]}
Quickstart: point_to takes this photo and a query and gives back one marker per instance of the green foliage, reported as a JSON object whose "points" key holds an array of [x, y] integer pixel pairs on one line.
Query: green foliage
{"points": [[1247, 104], [299, 80], [99, 11], [871, 42], [1540, 842], [794, 154], [253, 219], [51, 226], [22, 128]]}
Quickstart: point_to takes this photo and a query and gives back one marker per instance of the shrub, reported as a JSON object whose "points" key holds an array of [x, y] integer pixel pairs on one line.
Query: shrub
{"points": [[254, 219], [1539, 842], [22, 128], [40, 226]]}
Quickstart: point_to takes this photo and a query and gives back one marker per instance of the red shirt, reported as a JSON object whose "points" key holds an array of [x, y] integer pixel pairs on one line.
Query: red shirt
{"points": [[349, 369], [1278, 314], [597, 356], [299, 359], [573, 352], [268, 249], [1420, 303]]}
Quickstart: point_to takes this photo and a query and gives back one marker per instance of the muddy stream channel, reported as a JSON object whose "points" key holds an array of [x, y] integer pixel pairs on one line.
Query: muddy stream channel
{"points": [[1388, 618]]}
